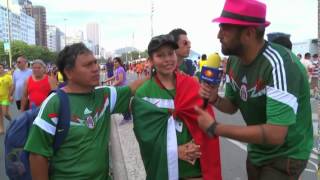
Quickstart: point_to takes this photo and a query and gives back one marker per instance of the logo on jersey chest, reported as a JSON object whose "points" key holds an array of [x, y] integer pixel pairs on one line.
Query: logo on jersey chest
{"points": [[246, 91], [243, 89]]}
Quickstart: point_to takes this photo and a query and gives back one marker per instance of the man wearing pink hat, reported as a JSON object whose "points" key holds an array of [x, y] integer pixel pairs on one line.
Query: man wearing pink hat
{"points": [[269, 86]]}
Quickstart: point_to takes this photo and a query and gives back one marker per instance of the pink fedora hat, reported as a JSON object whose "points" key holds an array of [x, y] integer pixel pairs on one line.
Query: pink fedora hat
{"points": [[243, 12]]}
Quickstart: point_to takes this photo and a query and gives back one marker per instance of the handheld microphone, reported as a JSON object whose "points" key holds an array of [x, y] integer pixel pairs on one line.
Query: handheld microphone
{"points": [[211, 73]]}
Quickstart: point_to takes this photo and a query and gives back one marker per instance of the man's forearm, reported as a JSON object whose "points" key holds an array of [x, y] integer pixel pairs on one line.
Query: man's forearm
{"points": [[136, 84], [225, 105], [256, 134], [39, 167]]}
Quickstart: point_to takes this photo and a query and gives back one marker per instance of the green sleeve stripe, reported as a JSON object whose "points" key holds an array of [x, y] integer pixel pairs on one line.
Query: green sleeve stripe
{"points": [[161, 103], [113, 97], [45, 126], [283, 97]]}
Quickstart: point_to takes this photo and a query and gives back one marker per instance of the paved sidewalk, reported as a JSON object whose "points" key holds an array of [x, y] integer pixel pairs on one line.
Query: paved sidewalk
{"points": [[126, 160]]}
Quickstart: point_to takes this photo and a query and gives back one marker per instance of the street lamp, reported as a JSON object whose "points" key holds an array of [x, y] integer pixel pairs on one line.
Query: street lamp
{"points": [[9, 35], [65, 31]]}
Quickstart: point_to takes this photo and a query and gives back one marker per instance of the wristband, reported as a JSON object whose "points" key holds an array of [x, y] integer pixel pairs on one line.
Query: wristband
{"points": [[211, 130]]}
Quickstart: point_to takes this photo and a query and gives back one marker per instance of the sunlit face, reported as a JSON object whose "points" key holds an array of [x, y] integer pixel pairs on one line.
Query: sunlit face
{"points": [[38, 70], [21, 63], [85, 72], [116, 64], [230, 39], [164, 60], [184, 46]]}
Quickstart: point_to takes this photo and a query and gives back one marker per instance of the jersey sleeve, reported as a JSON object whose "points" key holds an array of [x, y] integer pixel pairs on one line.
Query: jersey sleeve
{"points": [[230, 90], [40, 139], [285, 82], [119, 99]]}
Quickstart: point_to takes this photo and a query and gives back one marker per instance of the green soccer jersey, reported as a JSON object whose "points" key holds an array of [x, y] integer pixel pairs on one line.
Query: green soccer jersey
{"points": [[84, 153], [153, 93], [273, 89]]}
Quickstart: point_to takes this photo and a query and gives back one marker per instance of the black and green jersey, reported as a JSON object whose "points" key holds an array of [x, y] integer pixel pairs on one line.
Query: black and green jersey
{"points": [[273, 89], [84, 152]]}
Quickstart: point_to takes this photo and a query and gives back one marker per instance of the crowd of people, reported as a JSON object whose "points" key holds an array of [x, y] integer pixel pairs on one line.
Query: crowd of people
{"points": [[178, 139]]}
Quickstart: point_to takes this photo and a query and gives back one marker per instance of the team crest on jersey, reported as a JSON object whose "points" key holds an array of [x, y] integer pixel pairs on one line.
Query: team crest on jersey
{"points": [[243, 89], [90, 122], [244, 92]]}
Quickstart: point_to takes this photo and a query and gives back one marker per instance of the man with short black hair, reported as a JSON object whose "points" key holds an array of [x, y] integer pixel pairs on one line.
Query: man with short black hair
{"points": [[181, 38], [269, 86], [84, 154]]}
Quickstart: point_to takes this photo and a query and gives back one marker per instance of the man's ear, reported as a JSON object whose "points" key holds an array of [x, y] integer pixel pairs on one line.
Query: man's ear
{"points": [[248, 33], [150, 60], [68, 73]]}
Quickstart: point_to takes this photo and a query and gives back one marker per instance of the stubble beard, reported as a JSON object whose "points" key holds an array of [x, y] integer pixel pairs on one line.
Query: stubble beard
{"points": [[235, 50]]}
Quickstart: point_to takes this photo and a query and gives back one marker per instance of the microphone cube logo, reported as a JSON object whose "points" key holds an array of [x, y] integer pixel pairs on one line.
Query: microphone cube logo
{"points": [[211, 75]]}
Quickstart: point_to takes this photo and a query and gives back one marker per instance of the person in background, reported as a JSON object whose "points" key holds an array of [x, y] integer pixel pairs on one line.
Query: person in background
{"points": [[299, 56], [266, 82], [38, 86], [5, 97], [184, 46], [202, 61], [314, 84], [120, 79], [19, 77], [306, 62], [284, 41], [171, 143], [109, 67]]}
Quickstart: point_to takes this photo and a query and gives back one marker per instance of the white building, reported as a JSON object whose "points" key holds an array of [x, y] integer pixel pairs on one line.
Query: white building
{"points": [[309, 46], [22, 26], [77, 36], [93, 36], [27, 27], [53, 38]]}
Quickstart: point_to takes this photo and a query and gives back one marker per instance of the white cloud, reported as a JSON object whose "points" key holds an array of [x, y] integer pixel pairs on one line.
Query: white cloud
{"points": [[120, 19]]}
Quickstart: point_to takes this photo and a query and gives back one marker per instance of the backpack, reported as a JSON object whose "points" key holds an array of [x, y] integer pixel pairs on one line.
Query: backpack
{"points": [[16, 159]]}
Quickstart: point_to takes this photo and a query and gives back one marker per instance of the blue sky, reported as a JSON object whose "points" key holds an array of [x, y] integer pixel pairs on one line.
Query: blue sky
{"points": [[127, 22]]}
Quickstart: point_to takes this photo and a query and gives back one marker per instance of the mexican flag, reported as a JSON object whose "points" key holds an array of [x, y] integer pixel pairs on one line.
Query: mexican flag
{"points": [[155, 131]]}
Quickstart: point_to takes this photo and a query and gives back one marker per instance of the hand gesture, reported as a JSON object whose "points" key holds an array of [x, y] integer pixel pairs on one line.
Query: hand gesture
{"points": [[209, 92], [204, 118], [189, 152]]}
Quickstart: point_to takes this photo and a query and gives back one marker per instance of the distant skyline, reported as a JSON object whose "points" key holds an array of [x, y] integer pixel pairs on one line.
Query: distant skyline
{"points": [[127, 23]]}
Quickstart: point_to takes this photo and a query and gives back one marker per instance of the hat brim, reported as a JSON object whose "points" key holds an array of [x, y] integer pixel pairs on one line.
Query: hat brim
{"points": [[238, 22], [171, 44]]}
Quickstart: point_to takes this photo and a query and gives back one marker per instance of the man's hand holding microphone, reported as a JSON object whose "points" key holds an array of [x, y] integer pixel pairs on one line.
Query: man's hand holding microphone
{"points": [[210, 79]]}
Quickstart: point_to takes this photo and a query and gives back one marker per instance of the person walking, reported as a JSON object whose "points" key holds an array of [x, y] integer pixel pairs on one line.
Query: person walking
{"points": [[5, 97], [19, 77], [120, 79], [268, 84], [38, 86]]}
